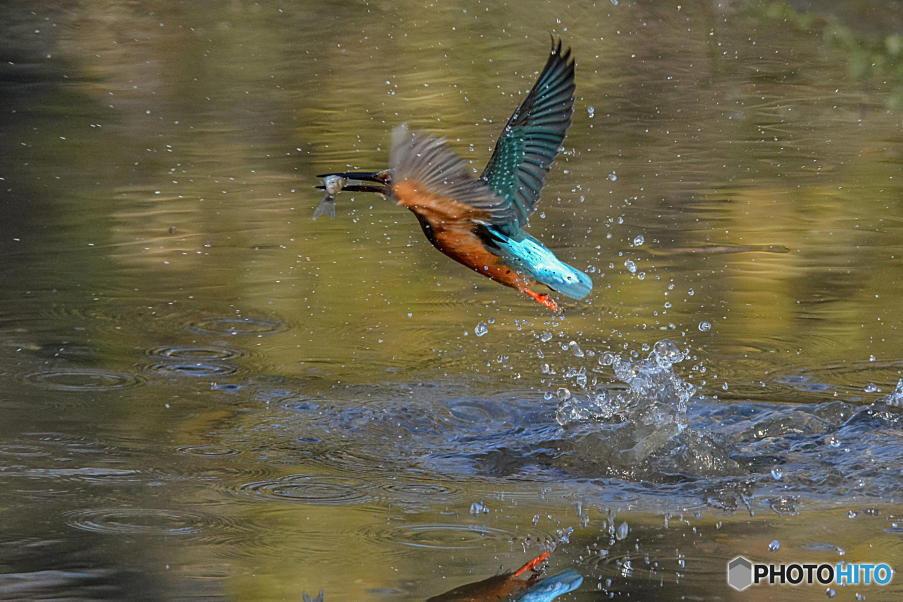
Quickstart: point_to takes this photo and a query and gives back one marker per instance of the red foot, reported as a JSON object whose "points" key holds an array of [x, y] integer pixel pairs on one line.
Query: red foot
{"points": [[532, 564], [544, 299]]}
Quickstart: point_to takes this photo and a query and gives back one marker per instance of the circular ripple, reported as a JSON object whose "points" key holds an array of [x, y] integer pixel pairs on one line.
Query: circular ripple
{"points": [[23, 451], [84, 379], [314, 489], [136, 521], [197, 369], [371, 458], [232, 325], [195, 353], [444, 536], [208, 450], [417, 495], [418, 489]]}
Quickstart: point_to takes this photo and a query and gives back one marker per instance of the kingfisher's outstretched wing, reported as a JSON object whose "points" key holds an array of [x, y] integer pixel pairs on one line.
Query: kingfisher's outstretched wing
{"points": [[531, 138], [431, 180]]}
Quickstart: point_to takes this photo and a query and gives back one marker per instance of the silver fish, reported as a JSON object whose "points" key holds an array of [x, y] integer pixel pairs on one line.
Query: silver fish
{"points": [[332, 185]]}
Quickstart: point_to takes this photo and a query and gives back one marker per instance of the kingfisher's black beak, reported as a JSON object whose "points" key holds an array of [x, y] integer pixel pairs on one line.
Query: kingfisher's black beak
{"points": [[361, 176], [351, 181], [356, 187]]}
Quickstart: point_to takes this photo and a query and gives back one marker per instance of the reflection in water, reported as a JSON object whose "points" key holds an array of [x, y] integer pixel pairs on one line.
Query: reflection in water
{"points": [[329, 405], [523, 584]]}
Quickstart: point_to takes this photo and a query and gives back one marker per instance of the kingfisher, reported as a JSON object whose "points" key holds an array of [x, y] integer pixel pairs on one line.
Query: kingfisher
{"points": [[479, 221], [510, 586]]}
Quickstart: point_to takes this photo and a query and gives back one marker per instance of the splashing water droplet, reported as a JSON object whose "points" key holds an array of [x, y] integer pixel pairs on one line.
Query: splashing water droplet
{"points": [[777, 473], [623, 530], [613, 177], [666, 353], [590, 112], [774, 546], [871, 388], [575, 349], [638, 240], [704, 326], [631, 266], [480, 329], [606, 358], [896, 398]]}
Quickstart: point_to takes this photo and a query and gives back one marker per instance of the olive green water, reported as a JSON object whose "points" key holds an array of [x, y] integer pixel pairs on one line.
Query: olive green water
{"points": [[207, 394]]}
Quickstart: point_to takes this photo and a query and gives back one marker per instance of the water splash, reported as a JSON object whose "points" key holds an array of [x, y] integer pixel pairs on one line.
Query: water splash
{"points": [[895, 398], [655, 394], [622, 425]]}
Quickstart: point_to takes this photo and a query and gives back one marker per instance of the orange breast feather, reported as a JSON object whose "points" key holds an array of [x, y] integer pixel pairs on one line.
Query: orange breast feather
{"points": [[453, 231]]}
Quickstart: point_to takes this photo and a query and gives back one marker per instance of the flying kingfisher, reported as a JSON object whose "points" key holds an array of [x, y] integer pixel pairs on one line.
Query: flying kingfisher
{"points": [[479, 221]]}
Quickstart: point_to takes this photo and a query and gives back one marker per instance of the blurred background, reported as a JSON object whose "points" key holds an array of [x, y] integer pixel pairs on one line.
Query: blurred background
{"points": [[208, 394]]}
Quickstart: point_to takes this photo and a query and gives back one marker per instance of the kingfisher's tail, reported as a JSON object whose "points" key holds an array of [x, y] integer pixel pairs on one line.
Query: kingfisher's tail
{"points": [[567, 280], [530, 257], [551, 587]]}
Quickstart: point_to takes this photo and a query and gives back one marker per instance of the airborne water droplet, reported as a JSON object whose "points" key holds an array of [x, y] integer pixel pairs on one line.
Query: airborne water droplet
{"points": [[704, 326], [480, 329]]}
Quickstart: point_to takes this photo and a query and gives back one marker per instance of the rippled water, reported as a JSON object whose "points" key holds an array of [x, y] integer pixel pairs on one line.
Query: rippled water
{"points": [[208, 394]]}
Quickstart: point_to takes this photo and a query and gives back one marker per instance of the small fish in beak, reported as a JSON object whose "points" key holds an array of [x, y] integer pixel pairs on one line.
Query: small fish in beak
{"points": [[332, 185]]}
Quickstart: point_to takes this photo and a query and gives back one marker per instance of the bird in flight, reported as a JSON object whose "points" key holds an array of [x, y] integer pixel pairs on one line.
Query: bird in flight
{"points": [[479, 221]]}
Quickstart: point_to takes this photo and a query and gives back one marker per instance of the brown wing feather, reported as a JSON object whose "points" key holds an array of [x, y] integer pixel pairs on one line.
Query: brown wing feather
{"points": [[441, 175]]}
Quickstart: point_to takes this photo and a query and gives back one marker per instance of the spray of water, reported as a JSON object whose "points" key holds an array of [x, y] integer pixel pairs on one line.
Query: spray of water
{"points": [[621, 423], [655, 395]]}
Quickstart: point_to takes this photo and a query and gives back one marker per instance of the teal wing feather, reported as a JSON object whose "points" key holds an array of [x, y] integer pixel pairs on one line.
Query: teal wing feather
{"points": [[531, 138]]}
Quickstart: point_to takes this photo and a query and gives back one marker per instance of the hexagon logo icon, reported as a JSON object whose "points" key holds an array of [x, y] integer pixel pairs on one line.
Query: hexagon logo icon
{"points": [[739, 573]]}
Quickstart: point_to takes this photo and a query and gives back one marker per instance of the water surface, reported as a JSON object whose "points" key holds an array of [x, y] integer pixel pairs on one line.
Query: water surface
{"points": [[208, 394]]}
